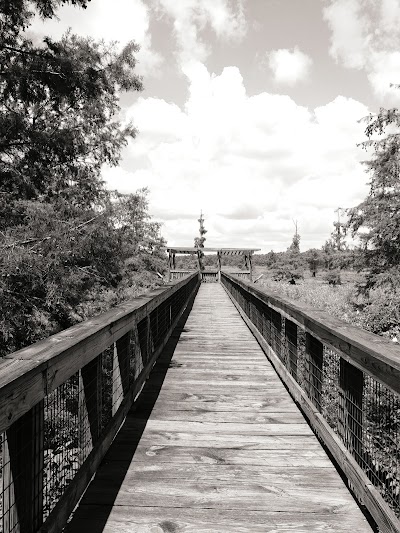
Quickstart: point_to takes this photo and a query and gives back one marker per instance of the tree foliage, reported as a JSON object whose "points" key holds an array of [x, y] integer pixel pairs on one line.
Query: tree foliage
{"points": [[199, 241], [376, 221], [69, 247]]}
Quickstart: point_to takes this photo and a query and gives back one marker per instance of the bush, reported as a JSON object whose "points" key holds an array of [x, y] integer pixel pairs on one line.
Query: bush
{"points": [[332, 277]]}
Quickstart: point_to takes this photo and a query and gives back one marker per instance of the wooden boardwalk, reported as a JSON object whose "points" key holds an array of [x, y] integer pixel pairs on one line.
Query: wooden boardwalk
{"points": [[216, 444]]}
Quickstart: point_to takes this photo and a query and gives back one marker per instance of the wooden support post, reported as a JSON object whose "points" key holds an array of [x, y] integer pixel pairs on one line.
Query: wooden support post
{"points": [[276, 333], [199, 261], [219, 266], [251, 269], [23, 458], [314, 356], [351, 382], [92, 395], [169, 265], [291, 345]]}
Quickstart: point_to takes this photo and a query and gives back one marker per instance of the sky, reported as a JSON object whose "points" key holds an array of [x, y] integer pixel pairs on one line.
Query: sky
{"points": [[251, 110]]}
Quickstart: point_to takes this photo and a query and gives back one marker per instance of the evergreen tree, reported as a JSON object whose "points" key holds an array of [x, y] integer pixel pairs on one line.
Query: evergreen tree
{"points": [[295, 246], [199, 241]]}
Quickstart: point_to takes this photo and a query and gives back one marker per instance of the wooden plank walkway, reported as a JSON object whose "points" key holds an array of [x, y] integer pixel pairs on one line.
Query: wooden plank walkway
{"points": [[216, 445]]}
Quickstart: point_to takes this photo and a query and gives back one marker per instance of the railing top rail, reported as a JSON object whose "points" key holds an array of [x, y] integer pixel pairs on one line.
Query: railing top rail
{"points": [[377, 356], [27, 375]]}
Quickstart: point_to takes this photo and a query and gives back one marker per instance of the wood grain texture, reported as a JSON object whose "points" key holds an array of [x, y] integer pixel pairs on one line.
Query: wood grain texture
{"points": [[209, 449]]}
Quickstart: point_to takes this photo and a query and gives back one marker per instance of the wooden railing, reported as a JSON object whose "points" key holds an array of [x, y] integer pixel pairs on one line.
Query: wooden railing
{"points": [[345, 380], [242, 274], [180, 274], [63, 400], [210, 276]]}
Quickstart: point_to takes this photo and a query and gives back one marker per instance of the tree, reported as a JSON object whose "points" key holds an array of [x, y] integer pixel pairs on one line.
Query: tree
{"points": [[199, 241], [295, 246], [69, 247], [58, 103], [376, 220], [313, 258], [338, 235]]}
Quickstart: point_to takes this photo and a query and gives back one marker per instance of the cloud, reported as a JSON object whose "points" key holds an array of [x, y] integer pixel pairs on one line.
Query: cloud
{"points": [[191, 17], [122, 21], [365, 34], [251, 163], [289, 66]]}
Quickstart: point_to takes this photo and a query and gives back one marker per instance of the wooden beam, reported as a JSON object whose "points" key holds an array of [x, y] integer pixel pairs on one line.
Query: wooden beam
{"points": [[219, 265]]}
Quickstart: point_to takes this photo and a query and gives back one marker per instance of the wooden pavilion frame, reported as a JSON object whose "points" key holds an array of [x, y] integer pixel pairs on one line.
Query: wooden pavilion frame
{"points": [[245, 252]]}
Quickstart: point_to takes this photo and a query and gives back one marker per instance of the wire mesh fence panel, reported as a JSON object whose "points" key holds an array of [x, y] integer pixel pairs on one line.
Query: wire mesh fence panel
{"points": [[64, 440], [331, 398], [380, 452]]}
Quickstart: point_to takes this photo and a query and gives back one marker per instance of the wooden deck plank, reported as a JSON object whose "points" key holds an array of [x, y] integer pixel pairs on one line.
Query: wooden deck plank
{"points": [[216, 444]]}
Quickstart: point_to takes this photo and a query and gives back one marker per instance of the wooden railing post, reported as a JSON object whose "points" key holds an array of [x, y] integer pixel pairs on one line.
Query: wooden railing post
{"points": [[314, 357], [351, 382], [276, 333], [23, 458], [291, 346]]}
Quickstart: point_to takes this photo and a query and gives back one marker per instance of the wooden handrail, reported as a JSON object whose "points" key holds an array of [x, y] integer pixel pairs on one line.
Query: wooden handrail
{"points": [[375, 355], [342, 377]]}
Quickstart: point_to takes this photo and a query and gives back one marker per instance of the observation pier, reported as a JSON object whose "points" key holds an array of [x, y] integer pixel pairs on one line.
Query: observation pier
{"points": [[202, 407]]}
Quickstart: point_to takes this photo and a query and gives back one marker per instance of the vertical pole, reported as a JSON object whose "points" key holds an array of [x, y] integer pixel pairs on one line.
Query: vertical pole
{"points": [[219, 266], [199, 263], [314, 356], [250, 268], [291, 344], [169, 265], [23, 473]]}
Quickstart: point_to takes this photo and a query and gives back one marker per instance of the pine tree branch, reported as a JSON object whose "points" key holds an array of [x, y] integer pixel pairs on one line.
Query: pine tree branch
{"points": [[48, 237]]}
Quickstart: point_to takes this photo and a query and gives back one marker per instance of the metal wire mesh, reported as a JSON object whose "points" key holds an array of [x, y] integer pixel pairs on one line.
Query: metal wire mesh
{"points": [[380, 450], [63, 440]]}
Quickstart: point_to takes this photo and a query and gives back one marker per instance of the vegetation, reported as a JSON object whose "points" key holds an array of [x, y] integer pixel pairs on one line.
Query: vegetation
{"points": [[69, 248], [199, 241]]}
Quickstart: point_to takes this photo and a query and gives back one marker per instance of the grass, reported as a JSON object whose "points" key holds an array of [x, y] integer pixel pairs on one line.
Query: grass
{"points": [[337, 300]]}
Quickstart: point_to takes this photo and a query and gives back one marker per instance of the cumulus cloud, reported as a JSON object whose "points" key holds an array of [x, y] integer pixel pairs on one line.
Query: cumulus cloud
{"points": [[365, 34], [289, 66], [252, 163], [120, 21], [191, 17]]}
